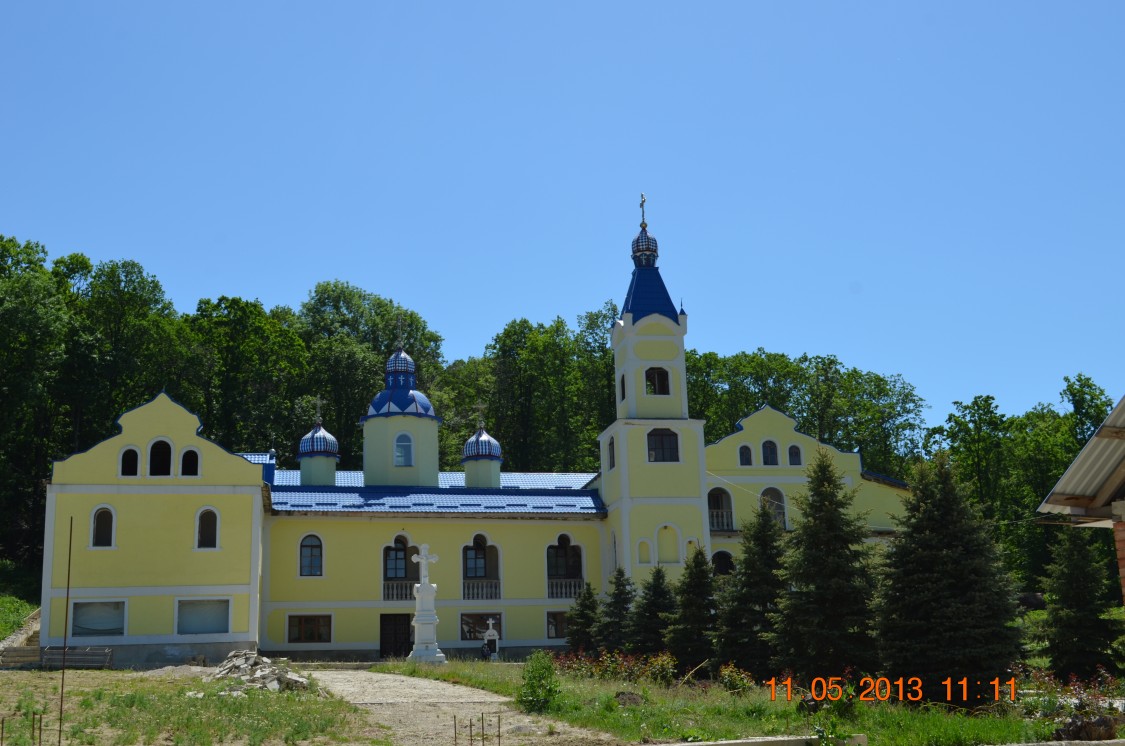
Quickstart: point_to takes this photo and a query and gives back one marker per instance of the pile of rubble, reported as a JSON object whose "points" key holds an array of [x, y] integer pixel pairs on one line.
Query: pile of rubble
{"points": [[257, 672]]}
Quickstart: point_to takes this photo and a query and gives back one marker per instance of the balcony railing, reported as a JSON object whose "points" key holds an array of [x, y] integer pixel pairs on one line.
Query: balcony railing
{"points": [[398, 590], [481, 590], [564, 587], [722, 520]]}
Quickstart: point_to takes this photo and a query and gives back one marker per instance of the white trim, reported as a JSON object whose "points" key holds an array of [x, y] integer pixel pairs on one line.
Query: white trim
{"points": [[171, 457], [120, 453], [113, 528], [176, 601], [152, 590], [198, 464], [46, 590], [311, 645], [118, 641], [300, 542], [218, 533]]}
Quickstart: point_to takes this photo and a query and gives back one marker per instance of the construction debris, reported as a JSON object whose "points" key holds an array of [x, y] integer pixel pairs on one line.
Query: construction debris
{"points": [[258, 672]]}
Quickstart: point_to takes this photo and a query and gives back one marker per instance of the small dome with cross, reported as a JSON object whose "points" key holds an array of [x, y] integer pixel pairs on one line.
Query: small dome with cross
{"points": [[481, 446], [318, 442]]}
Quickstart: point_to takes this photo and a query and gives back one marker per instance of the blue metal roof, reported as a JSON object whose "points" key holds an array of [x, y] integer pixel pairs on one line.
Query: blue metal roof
{"points": [[448, 479], [257, 458], [647, 295], [430, 500]]}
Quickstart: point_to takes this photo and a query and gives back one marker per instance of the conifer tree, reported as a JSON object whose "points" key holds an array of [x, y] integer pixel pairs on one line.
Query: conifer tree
{"points": [[649, 619], [947, 606], [751, 596], [823, 625], [1078, 638], [692, 626], [612, 627], [582, 620]]}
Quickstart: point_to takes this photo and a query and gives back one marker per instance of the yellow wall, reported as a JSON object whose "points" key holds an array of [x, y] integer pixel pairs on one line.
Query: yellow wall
{"points": [[671, 479], [379, 435]]}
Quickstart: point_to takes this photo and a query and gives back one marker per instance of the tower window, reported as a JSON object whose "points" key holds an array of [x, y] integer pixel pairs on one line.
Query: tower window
{"points": [[207, 530], [769, 453], [404, 450], [130, 460], [612, 456], [745, 456], [312, 556], [102, 530], [622, 387], [656, 382], [189, 464], [160, 459], [794, 456], [663, 445]]}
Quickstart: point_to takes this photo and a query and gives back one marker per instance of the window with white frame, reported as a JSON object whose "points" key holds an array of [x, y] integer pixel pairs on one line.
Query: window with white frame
{"points": [[312, 556], [160, 459], [130, 462], [101, 528], [97, 618], [210, 616], [207, 529], [404, 450]]}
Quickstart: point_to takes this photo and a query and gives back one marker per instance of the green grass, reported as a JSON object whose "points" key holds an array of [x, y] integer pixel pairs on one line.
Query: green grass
{"points": [[12, 613], [711, 713]]}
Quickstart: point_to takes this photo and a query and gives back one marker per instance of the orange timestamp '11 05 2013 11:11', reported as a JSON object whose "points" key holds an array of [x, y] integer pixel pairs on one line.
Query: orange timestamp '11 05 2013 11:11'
{"points": [[884, 689]]}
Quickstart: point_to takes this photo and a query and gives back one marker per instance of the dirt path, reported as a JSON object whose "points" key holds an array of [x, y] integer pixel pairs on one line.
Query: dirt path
{"points": [[420, 712]]}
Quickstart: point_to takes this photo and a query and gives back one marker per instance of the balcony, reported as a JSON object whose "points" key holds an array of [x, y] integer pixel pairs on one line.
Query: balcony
{"points": [[564, 587], [480, 590], [398, 590], [722, 520]]}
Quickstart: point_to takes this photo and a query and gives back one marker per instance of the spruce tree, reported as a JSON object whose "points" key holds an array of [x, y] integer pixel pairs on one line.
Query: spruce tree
{"points": [[612, 627], [1078, 638], [582, 620], [654, 607], [690, 631], [751, 596], [823, 623], [947, 606]]}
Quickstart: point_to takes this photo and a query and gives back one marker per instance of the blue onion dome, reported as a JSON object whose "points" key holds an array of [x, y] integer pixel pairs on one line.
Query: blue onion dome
{"points": [[644, 248], [399, 397], [318, 442], [481, 445]]}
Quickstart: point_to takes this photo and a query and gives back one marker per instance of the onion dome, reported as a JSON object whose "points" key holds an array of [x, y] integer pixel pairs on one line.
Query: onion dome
{"points": [[647, 294], [481, 446], [399, 396], [644, 248], [318, 442]]}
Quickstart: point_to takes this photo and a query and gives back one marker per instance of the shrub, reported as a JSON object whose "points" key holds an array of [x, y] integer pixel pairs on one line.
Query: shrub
{"points": [[734, 679], [540, 683]]}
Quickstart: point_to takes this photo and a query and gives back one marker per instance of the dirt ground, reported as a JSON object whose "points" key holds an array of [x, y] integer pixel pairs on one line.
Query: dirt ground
{"points": [[421, 712]]}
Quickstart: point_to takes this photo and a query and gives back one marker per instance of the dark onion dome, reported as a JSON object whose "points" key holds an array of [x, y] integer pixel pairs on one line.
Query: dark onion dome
{"points": [[644, 248], [481, 446], [318, 442], [399, 396]]}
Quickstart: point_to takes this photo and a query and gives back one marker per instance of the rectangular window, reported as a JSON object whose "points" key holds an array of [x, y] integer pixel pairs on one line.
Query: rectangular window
{"points": [[663, 445], [97, 618], [310, 628], [473, 626], [475, 566], [395, 564], [203, 617], [556, 625]]}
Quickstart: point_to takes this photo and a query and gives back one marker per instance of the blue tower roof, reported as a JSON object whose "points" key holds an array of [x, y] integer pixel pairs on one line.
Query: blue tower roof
{"points": [[481, 446], [399, 396], [318, 442], [647, 294]]}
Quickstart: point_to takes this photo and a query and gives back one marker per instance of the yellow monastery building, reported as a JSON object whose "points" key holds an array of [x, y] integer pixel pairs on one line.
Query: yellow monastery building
{"points": [[182, 548]]}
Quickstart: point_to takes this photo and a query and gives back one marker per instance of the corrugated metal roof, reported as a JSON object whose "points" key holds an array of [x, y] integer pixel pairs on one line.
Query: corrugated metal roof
{"points": [[1101, 456], [567, 502], [446, 479], [257, 458]]}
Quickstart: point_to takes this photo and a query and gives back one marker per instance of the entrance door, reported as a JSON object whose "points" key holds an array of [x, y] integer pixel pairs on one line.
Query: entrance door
{"points": [[394, 635]]}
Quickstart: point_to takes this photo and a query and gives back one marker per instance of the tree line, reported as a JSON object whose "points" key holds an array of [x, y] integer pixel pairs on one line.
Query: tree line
{"points": [[82, 342]]}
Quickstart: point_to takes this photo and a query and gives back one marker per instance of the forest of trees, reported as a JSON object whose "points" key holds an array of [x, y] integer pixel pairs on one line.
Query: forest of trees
{"points": [[81, 342]]}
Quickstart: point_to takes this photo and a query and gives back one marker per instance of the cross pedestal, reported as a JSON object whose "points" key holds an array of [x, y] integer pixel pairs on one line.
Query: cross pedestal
{"points": [[425, 621]]}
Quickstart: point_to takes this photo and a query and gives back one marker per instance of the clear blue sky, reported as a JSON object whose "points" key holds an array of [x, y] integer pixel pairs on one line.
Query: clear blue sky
{"points": [[936, 190]]}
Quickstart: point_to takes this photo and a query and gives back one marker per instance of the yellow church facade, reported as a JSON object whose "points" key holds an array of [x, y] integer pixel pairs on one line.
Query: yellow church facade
{"points": [[180, 548]]}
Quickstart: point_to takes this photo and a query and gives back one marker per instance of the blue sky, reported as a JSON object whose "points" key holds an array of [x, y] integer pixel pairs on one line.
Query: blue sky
{"points": [[934, 189]]}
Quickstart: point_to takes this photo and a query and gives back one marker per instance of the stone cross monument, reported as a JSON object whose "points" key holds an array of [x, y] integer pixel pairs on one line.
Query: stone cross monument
{"points": [[425, 616], [492, 640]]}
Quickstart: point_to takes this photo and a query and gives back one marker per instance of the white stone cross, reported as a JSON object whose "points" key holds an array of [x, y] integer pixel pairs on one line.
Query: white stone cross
{"points": [[424, 558], [490, 623]]}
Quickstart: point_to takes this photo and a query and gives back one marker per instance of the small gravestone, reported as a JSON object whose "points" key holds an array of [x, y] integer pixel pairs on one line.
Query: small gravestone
{"points": [[492, 640]]}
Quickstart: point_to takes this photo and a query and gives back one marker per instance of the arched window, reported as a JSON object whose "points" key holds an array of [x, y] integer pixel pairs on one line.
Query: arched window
{"points": [[476, 558], [612, 455], [622, 387], [723, 563], [160, 459], [794, 456], [312, 556], [189, 463], [656, 382], [102, 529], [745, 456], [404, 450], [774, 501], [207, 530], [564, 560], [130, 462], [718, 505], [663, 445], [769, 453], [394, 560]]}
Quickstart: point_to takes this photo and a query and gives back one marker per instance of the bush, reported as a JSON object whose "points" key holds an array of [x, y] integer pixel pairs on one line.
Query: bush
{"points": [[734, 679], [540, 683]]}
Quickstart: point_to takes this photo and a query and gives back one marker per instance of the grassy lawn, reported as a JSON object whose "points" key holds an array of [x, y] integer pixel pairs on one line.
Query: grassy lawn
{"points": [[122, 707], [705, 713], [12, 613]]}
